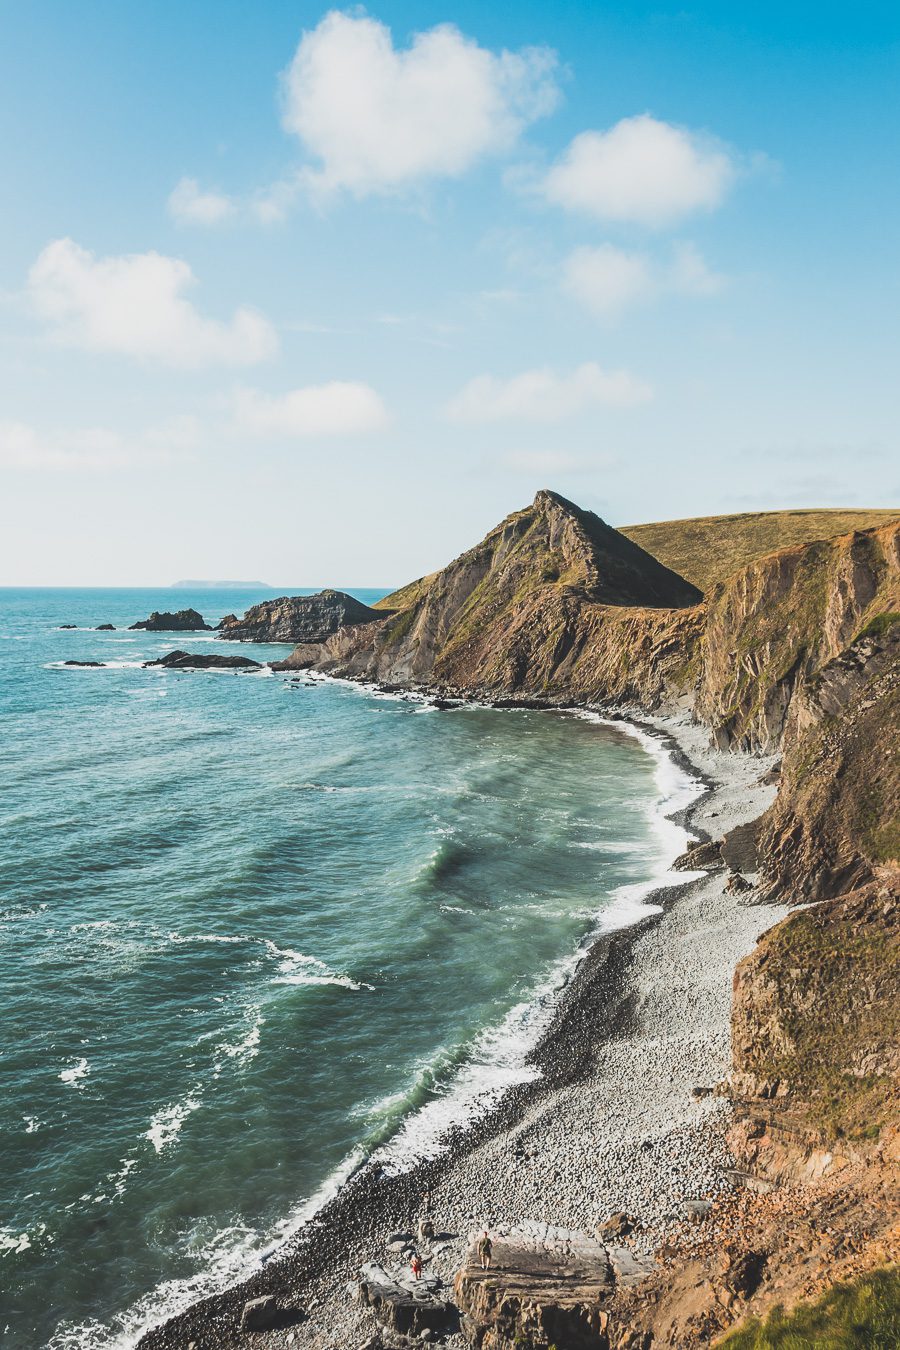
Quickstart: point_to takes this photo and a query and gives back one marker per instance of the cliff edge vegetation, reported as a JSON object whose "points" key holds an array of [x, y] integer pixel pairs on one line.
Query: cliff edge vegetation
{"points": [[709, 549]]}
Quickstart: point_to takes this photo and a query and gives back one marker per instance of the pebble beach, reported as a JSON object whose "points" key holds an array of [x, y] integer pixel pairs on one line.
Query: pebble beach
{"points": [[622, 1114]]}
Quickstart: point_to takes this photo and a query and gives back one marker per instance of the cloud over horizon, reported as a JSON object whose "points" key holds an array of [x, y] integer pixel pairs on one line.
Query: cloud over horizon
{"points": [[93, 449], [133, 304]]}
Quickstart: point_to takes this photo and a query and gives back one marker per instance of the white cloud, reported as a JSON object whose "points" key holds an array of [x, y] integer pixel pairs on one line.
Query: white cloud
{"points": [[339, 408], [189, 206], [642, 171], [133, 304], [545, 396], [93, 449], [378, 118], [607, 280]]}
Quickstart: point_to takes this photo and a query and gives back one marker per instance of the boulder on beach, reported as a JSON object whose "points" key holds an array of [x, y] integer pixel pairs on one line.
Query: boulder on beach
{"points": [[178, 660], [618, 1225], [185, 621], [260, 1314]]}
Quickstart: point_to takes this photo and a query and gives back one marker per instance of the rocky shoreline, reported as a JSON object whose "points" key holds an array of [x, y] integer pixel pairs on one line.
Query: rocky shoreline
{"points": [[621, 1117]]}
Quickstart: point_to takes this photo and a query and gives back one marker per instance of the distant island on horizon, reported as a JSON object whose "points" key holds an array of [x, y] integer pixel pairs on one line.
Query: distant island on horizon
{"points": [[193, 585]]}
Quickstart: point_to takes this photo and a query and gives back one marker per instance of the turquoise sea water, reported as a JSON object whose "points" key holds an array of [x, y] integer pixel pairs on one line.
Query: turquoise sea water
{"points": [[252, 929]]}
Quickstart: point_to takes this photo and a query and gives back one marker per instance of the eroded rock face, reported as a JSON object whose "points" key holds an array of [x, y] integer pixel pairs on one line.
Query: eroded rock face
{"points": [[184, 621], [545, 1286], [774, 625], [836, 821], [298, 618], [816, 1037]]}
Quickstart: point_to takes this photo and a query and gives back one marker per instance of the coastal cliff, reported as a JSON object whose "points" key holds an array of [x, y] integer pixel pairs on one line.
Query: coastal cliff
{"points": [[553, 602], [796, 652]]}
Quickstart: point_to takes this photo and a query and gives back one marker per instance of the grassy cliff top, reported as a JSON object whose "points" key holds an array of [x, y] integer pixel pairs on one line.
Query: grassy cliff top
{"points": [[709, 549], [407, 595]]}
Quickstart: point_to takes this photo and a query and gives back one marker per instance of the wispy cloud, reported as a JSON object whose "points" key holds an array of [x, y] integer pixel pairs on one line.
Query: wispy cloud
{"points": [[546, 396], [339, 408], [94, 449], [609, 280], [189, 205]]}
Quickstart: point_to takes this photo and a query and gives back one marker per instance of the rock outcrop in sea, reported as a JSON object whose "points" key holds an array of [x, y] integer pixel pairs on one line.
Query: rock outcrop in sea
{"points": [[298, 618], [179, 660], [184, 621]]}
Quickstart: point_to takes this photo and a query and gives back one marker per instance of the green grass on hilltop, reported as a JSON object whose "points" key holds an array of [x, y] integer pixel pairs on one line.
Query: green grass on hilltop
{"points": [[864, 1315], [710, 549], [406, 595]]}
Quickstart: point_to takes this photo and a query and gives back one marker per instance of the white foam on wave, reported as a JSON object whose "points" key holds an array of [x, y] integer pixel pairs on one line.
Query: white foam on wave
{"points": [[13, 1243], [19, 915], [676, 789], [497, 1060], [298, 968], [75, 1074], [232, 1254], [499, 1056], [241, 1052], [208, 937], [119, 1178], [292, 967], [166, 1123]]}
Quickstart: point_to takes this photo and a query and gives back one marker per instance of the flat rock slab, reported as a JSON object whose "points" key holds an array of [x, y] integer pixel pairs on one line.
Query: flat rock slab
{"points": [[402, 1302], [630, 1267], [545, 1284]]}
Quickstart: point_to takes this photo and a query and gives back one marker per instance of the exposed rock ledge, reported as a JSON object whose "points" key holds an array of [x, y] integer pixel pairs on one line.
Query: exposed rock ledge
{"points": [[545, 1286]]}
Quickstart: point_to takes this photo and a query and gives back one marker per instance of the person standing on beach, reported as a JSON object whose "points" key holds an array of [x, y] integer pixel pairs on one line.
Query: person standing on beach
{"points": [[485, 1251], [416, 1264]]}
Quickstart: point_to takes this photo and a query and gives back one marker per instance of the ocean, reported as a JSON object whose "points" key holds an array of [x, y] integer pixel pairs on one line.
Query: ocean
{"points": [[255, 928]]}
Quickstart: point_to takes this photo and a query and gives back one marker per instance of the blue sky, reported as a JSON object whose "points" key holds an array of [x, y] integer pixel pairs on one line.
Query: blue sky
{"points": [[319, 296]]}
